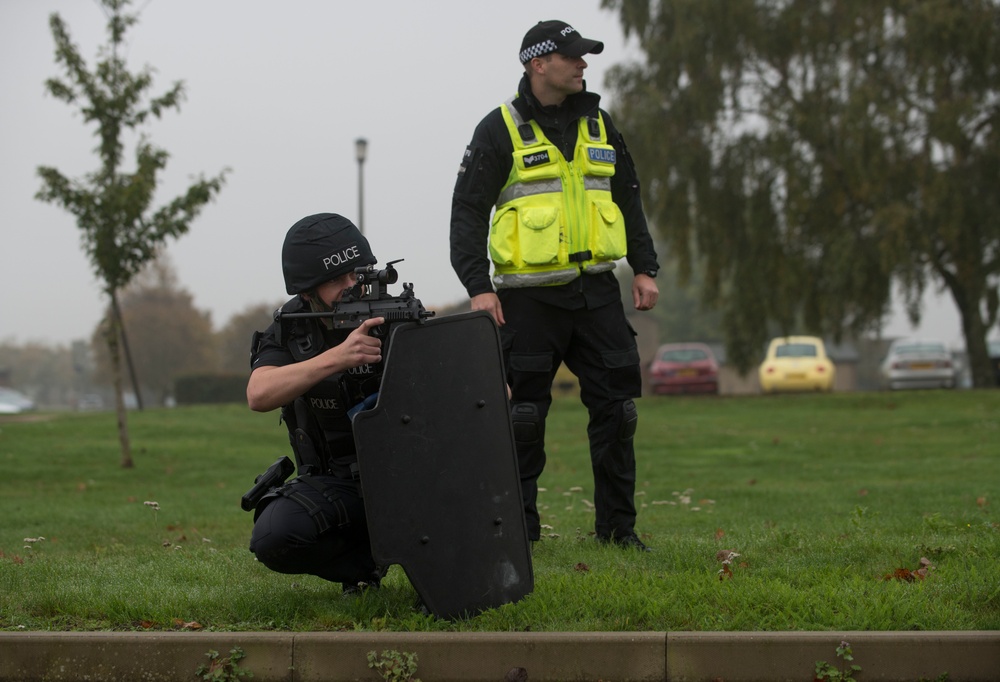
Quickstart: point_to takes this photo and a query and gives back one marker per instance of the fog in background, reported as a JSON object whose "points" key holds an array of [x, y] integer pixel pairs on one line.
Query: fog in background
{"points": [[278, 92]]}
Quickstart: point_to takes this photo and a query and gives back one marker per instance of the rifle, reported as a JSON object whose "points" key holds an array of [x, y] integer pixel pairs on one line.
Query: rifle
{"points": [[369, 298], [366, 300]]}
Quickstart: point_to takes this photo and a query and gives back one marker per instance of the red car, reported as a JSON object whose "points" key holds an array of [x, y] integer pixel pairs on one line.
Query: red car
{"points": [[684, 368]]}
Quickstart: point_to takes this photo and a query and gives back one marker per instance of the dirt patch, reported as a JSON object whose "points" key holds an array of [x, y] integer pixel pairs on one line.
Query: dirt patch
{"points": [[11, 418]]}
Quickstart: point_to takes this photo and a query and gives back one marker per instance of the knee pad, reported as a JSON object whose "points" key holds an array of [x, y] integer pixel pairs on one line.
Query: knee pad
{"points": [[527, 422], [629, 420]]}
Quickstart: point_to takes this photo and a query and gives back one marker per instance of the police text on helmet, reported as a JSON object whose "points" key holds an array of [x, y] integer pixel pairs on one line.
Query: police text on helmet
{"points": [[341, 257]]}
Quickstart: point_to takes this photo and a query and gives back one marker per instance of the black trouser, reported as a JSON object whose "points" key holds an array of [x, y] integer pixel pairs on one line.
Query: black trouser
{"points": [[287, 539], [598, 346]]}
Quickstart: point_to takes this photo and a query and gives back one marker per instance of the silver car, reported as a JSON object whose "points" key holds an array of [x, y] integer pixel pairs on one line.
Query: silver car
{"points": [[918, 363], [14, 402]]}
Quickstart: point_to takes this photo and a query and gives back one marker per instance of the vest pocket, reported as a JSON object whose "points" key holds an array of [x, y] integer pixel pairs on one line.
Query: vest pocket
{"points": [[598, 160], [525, 236], [608, 241], [503, 237]]}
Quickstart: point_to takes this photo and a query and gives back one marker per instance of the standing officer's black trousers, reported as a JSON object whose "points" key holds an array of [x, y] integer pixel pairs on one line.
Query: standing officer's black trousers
{"points": [[599, 347]]}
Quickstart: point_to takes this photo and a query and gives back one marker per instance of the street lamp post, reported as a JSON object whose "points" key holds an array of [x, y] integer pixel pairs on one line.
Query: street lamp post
{"points": [[360, 152]]}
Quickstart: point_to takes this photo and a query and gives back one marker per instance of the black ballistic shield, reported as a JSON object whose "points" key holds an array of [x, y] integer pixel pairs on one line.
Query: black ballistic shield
{"points": [[439, 469]]}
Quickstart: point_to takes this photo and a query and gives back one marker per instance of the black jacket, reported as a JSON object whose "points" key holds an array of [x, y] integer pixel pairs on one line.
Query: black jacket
{"points": [[484, 171]]}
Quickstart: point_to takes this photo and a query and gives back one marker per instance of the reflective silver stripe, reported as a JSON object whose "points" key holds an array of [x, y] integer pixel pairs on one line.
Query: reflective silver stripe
{"points": [[527, 189], [514, 114], [534, 279], [598, 268], [518, 122], [590, 182]]}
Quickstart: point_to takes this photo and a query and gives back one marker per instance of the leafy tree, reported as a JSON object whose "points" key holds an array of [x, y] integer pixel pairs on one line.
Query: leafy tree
{"points": [[816, 152], [113, 207], [169, 336]]}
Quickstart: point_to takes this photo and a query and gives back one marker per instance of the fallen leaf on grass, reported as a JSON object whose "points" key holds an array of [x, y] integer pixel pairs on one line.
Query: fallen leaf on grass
{"points": [[908, 576], [192, 625], [901, 574], [726, 556], [719, 533], [582, 567]]}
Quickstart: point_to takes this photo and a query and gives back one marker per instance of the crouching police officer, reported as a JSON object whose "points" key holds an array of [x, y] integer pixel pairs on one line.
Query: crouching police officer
{"points": [[316, 523]]}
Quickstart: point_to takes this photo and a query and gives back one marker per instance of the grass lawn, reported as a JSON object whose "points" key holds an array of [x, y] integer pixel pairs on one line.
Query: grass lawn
{"points": [[830, 501]]}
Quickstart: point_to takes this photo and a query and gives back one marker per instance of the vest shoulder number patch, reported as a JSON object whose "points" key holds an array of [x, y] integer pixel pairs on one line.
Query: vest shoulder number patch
{"points": [[536, 159], [601, 155]]}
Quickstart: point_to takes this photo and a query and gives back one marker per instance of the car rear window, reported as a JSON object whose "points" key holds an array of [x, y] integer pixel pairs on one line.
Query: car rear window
{"points": [[795, 350], [920, 348], [683, 355]]}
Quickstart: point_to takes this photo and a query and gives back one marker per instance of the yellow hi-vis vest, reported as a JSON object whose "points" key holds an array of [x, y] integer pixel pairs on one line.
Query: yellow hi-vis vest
{"points": [[555, 218]]}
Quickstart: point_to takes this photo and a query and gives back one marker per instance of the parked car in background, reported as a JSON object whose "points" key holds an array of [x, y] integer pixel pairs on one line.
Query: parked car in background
{"points": [[918, 363], [90, 402], [14, 402], [684, 368], [795, 364]]}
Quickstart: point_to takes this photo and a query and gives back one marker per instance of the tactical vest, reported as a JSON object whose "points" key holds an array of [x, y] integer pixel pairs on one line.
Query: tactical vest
{"points": [[318, 422], [555, 218]]}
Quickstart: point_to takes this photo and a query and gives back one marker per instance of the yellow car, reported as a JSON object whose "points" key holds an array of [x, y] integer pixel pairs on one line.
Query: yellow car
{"points": [[796, 363]]}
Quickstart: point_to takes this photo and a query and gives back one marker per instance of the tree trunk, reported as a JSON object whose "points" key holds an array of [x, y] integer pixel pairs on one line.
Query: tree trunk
{"points": [[112, 337], [128, 358], [974, 331]]}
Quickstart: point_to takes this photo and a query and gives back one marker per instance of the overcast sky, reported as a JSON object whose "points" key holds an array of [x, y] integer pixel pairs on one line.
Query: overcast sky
{"points": [[278, 93]]}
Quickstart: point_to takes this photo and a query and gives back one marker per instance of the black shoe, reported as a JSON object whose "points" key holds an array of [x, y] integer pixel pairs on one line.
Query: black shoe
{"points": [[630, 541], [374, 581]]}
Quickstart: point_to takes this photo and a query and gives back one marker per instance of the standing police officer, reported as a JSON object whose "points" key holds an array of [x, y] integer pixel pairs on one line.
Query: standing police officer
{"points": [[316, 523], [567, 206]]}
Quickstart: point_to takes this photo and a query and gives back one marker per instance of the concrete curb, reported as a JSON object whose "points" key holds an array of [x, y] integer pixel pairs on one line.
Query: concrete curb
{"points": [[471, 657]]}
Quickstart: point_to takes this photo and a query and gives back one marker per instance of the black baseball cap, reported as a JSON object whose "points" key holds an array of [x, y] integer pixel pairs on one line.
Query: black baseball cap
{"points": [[546, 37]]}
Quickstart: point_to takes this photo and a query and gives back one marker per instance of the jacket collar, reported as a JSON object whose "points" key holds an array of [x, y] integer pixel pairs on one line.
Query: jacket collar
{"points": [[575, 106]]}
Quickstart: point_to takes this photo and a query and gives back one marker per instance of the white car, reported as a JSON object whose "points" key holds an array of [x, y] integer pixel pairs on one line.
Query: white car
{"points": [[918, 363], [14, 402]]}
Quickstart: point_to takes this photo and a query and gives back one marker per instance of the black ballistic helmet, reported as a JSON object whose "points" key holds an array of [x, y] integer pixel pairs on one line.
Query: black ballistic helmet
{"points": [[322, 247]]}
